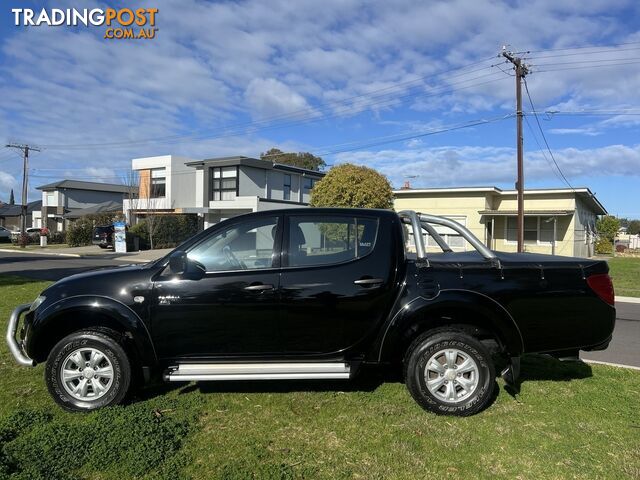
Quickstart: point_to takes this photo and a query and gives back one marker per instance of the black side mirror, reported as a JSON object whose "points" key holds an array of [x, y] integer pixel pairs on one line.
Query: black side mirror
{"points": [[178, 262]]}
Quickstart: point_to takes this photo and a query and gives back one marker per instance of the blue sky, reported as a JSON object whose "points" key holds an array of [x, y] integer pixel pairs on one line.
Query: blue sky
{"points": [[374, 83]]}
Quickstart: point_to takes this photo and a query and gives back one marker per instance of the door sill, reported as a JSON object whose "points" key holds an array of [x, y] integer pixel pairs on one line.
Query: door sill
{"points": [[187, 372]]}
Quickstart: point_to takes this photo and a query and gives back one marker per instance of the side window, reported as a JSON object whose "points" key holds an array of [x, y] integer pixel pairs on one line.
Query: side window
{"points": [[322, 240], [243, 246]]}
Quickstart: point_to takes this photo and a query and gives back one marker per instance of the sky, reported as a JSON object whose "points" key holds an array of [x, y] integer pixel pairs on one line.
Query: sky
{"points": [[415, 89]]}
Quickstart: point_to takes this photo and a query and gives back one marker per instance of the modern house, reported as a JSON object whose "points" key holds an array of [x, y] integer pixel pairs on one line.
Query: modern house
{"points": [[61, 199], [217, 188], [560, 221], [10, 214]]}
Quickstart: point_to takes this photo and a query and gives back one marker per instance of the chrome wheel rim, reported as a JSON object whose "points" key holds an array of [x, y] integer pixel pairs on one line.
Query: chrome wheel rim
{"points": [[451, 375], [87, 374]]}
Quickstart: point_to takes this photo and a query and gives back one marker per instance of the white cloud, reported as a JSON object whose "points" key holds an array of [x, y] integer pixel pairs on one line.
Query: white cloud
{"points": [[268, 97], [486, 166], [7, 182]]}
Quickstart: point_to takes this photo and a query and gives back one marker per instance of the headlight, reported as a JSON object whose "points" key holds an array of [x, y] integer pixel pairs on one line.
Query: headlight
{"points": [[37, 302]]}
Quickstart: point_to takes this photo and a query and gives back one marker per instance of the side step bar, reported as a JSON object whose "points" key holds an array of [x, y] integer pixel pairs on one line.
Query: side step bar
{"points": [[188, 372]]}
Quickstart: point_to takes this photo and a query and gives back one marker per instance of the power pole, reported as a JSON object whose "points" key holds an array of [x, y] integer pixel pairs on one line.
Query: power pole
{"points": [[25, 180], [521, 70]]}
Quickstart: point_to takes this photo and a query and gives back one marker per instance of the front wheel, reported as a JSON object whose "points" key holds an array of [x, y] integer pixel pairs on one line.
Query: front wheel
{"points": [[87, 370], [450, 373]]}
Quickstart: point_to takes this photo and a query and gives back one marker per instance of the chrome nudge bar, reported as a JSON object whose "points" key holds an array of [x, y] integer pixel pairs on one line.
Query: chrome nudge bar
{"points": [[419, 221], [12, 329]]}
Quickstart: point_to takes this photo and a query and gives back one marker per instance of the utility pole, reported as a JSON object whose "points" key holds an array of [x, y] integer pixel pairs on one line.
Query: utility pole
{"points": [[521, 70], [25, 180]]}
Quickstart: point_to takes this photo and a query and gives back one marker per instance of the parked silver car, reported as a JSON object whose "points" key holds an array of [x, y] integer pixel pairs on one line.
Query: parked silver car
{"points": [[5, 234]]}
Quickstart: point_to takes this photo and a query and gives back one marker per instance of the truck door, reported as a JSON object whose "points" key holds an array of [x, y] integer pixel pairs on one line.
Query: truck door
{"points": [[336, 281]]}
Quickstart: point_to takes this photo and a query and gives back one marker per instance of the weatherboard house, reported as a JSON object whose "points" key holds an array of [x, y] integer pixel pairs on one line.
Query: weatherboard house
{"points": [[561, 221]]}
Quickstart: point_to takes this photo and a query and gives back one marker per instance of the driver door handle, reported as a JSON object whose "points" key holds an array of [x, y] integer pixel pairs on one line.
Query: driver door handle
{"points": [[259, 287]]}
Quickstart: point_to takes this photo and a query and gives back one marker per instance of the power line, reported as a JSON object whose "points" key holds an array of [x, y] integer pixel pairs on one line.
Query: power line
{"points": [[580, 47], [25, 180], [352, 146], [347, 111], [544, 137], [533, 134]]}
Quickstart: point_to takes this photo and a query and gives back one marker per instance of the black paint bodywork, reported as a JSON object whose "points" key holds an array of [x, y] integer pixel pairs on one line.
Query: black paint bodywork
{"points": [[529, 303]]}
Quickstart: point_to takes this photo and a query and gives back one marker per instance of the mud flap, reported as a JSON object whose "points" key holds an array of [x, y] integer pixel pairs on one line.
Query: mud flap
{"points": [[511, 376]]}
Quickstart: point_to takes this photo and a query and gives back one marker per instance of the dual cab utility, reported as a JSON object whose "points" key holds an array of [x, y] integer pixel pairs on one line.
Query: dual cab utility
{"points": [[315, 294]]}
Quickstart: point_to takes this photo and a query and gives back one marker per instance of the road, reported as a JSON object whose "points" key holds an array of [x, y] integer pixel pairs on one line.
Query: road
{"points": [[50, 267], [624, 348]]}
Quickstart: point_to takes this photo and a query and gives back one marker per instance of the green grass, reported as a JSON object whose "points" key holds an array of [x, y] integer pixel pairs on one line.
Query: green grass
{"points": [[625, 272], [570, 420], [11, 246]]}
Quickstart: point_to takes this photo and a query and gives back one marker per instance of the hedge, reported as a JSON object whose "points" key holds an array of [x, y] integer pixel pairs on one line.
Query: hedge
{"points": [[168, 230]]}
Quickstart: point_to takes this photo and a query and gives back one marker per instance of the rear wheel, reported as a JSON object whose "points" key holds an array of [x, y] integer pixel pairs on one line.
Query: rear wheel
{"points": [[450, 373], [87, 370]]}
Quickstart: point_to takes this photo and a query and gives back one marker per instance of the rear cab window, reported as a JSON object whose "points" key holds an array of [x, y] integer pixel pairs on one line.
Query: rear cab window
{"points": [[326, 240]]}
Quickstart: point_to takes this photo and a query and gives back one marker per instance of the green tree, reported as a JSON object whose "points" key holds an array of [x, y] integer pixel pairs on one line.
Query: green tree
{"points": [[301, 159], [12, 199], [350, 185], [607, 228], [634, 227]]}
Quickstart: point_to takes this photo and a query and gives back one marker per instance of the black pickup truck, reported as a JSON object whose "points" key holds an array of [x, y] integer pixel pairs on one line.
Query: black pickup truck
{"points": [[315, 294]]}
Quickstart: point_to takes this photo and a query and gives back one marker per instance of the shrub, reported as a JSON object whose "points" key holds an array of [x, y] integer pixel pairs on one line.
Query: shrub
{"points": [[56, 237], [604, 245], [80, 232], [168, 230]]}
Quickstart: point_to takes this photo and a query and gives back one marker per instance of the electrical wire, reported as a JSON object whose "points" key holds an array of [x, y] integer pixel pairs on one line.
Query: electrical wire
{"points": [[309, 112], [526, 86]]}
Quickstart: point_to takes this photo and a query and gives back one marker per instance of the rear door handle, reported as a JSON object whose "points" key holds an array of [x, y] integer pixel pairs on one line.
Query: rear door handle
{"points": [[369, 282], [259, 287]]}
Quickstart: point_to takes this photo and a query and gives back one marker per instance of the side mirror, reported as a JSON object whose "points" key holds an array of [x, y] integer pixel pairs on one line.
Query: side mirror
{"points": [[178, 262]]}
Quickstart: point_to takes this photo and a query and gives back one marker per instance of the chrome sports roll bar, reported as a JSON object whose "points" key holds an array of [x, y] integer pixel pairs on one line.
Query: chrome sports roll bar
{"points": [[419, 221]]}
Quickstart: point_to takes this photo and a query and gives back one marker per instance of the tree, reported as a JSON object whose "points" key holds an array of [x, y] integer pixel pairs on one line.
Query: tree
{"points": [[350, 185], [633, 228], [12, 200], [607, 228], [301, 159]]}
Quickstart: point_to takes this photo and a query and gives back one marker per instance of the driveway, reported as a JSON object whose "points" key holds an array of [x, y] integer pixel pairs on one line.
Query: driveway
{"points": [[624, 348]]}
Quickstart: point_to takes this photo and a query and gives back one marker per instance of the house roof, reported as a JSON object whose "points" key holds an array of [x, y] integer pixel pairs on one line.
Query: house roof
{"points": [[251, 162], [81, 185], [104, 207], [7, 210], [581, 192]]}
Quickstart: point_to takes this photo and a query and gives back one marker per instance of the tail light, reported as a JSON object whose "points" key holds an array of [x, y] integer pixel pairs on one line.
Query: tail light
{"points": [[602, 285]]}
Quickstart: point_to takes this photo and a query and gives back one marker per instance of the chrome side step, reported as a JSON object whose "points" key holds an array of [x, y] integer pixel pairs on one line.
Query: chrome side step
{"points": [[188, 372]]}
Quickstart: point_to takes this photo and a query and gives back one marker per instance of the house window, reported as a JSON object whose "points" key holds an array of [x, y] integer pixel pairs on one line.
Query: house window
{"points": [[308, 184], [50, 199], [158, 183], [537, 230], [224, 183], [286, 194], [450, 236]]}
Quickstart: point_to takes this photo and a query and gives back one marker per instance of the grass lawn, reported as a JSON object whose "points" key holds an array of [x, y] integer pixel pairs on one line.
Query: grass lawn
{"points": [[625, 272], [570, 420], [11, 246]]}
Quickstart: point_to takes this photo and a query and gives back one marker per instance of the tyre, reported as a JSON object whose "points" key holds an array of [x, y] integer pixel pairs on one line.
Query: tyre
{"points": [[102, 246], [87, 370], [450, 373]]}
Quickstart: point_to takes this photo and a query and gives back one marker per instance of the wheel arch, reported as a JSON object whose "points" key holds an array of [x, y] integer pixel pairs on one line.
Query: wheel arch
{"points": [[83, 312], [467, 311]]}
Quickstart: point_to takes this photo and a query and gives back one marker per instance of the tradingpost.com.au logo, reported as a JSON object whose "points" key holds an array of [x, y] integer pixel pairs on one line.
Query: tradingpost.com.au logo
{"points": [[122, 23]]}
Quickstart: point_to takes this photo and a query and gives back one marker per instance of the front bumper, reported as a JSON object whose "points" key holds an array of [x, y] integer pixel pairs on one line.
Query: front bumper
{"points": [[14, 346]]}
